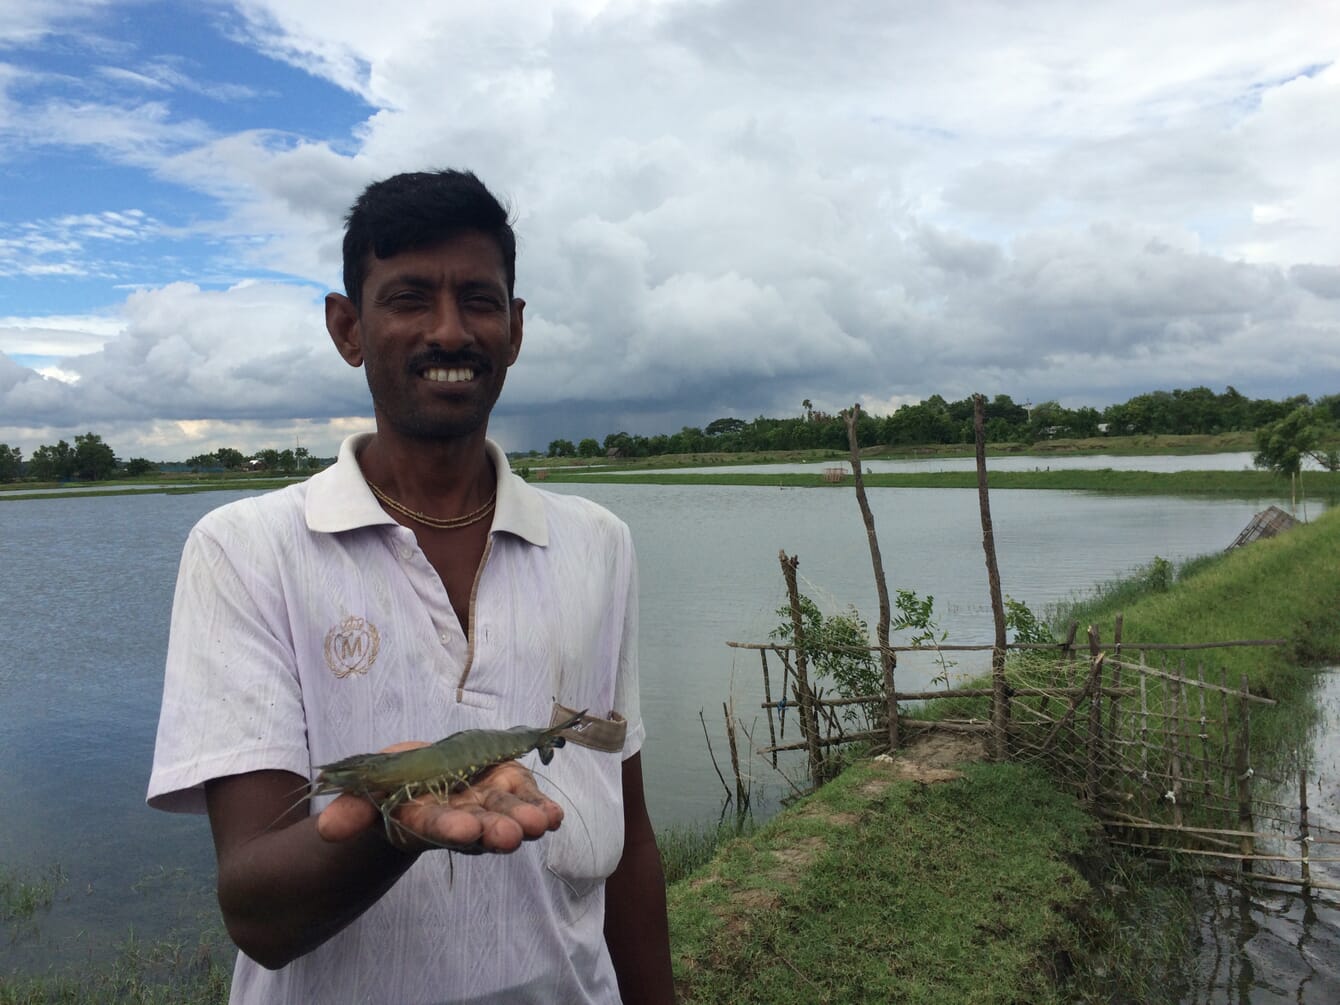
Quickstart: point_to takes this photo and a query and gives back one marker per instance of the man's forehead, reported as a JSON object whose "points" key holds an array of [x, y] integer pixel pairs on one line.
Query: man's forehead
{"points": [[471, 256]]}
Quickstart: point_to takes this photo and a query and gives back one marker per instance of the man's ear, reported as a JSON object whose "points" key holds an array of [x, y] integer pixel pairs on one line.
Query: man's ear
{"points": [[518, 310], [345, 331]]}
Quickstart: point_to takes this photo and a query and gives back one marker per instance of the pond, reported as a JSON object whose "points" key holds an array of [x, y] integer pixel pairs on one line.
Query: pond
{"points": [[87, 587]]}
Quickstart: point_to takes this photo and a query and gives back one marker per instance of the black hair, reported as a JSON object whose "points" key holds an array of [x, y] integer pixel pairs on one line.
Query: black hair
{"points": [[417, 209]]}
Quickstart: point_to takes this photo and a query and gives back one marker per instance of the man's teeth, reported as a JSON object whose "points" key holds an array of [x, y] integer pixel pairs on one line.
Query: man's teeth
{"points": [[450, 375]]}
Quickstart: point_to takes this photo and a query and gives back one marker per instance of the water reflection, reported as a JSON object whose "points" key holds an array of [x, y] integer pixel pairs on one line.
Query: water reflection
{"points": [[1258, 944]]}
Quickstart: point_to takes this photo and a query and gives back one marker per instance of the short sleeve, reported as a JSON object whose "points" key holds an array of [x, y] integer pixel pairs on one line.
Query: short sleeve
{"points": [[231, 697]]}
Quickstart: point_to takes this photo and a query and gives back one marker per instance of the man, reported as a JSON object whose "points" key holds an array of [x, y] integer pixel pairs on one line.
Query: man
{"points": [[415, 589]]}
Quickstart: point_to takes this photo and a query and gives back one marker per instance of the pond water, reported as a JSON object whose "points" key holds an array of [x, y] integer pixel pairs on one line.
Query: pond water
{"points": [[86, 587], [1261, 945]]}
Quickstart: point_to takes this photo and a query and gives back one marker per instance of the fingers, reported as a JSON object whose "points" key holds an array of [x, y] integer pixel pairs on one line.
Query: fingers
{"points": [[346, 817], [497, 813]]}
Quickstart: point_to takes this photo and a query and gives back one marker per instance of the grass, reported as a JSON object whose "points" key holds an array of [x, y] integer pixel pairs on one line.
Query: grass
{"points": [[969, 892], [21, 896], [189, 971], [880, 890]]}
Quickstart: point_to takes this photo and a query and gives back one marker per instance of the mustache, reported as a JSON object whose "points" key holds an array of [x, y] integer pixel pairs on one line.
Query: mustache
{"points": [[435, 357]]}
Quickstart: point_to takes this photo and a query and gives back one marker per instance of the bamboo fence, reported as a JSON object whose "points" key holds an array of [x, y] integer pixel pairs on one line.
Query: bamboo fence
{"points": [[1151, 736]]}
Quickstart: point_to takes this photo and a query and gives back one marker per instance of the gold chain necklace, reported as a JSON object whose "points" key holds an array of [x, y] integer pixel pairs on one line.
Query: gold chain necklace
{"points": [[437, 523]]}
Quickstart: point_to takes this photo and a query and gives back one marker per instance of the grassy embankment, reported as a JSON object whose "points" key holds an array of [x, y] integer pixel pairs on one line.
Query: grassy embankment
{"points": [[968, 891]]}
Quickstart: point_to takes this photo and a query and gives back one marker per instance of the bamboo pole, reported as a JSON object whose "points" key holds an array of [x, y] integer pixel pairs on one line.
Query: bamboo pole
{"points": [[1244, 777], [1000, 707], [1068, 651], [1175, 762], [809, 725], [1204, 734], [741, 793], [1116, 674], [767, 693], [1094, 746], [1304, 839], [1144, 742], [887, 660]]}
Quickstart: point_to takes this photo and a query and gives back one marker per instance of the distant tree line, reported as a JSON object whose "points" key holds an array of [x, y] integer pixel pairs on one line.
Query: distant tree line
{"points": [[89, 459], [936, 421], [291, 460]]}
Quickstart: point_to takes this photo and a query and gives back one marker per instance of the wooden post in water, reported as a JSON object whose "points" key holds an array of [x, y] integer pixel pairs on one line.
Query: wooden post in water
{"points": [[1207, 769], [1174, 728], [1243, 768], [767, 695], [741, 791], [1000, 699], [1144, 742], [1303, 838], [888, 659], [809, 720]]}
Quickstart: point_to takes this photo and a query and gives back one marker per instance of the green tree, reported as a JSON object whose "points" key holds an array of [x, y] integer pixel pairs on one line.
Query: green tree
{"points": [[1283, 445], [52, 462], [93, 459], [11, 463], [267, 459], [137, 466], [561, 448], [589, 447], [227, 457]]}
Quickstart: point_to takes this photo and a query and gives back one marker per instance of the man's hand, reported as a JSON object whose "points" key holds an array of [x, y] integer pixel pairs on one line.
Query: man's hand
{"points": [[495, 813]]}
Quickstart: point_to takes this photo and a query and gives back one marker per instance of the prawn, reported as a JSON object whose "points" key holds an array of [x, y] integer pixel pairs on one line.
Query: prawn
{"points": [[390, 779]]}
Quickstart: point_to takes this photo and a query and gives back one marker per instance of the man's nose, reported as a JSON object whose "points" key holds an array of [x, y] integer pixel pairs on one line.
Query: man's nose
{"points": [[448, 328]]}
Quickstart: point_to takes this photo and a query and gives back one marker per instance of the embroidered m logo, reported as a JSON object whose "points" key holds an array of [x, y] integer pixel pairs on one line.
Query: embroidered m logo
{"points": [[351, 646]]}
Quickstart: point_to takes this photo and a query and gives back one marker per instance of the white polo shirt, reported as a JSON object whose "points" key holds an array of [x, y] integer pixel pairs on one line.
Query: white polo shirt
{"points": [[308, 625]]}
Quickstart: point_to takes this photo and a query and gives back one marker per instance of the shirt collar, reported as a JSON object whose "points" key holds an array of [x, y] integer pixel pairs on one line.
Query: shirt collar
{"points": [[338, 498]]}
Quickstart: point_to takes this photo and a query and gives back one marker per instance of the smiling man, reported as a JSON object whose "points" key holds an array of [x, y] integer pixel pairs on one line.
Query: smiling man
{"points": [[415, 589]]}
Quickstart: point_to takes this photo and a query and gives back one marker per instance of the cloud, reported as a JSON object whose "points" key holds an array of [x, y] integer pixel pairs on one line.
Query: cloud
{"points": [[725, 207]]}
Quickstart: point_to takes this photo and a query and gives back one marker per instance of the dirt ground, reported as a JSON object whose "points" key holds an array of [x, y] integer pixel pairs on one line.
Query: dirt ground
{"points": [[933, 755]]}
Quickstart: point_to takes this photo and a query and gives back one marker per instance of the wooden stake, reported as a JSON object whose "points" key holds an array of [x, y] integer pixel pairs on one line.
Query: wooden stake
{"points": [[767, 693], [888, 660], [1000, 700]]}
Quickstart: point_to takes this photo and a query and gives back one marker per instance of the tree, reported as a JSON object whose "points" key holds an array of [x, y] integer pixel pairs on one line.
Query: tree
{"points": [[267, 459], [1282, 446], [561, 448], [589, 447], [93, 459], [11, 463], [229, 458], [137, 466], [724, 427], [52, 462]]}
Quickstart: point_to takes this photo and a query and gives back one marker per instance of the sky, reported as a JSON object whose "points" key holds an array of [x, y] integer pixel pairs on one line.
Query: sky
{"points": [[723, 207]]}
